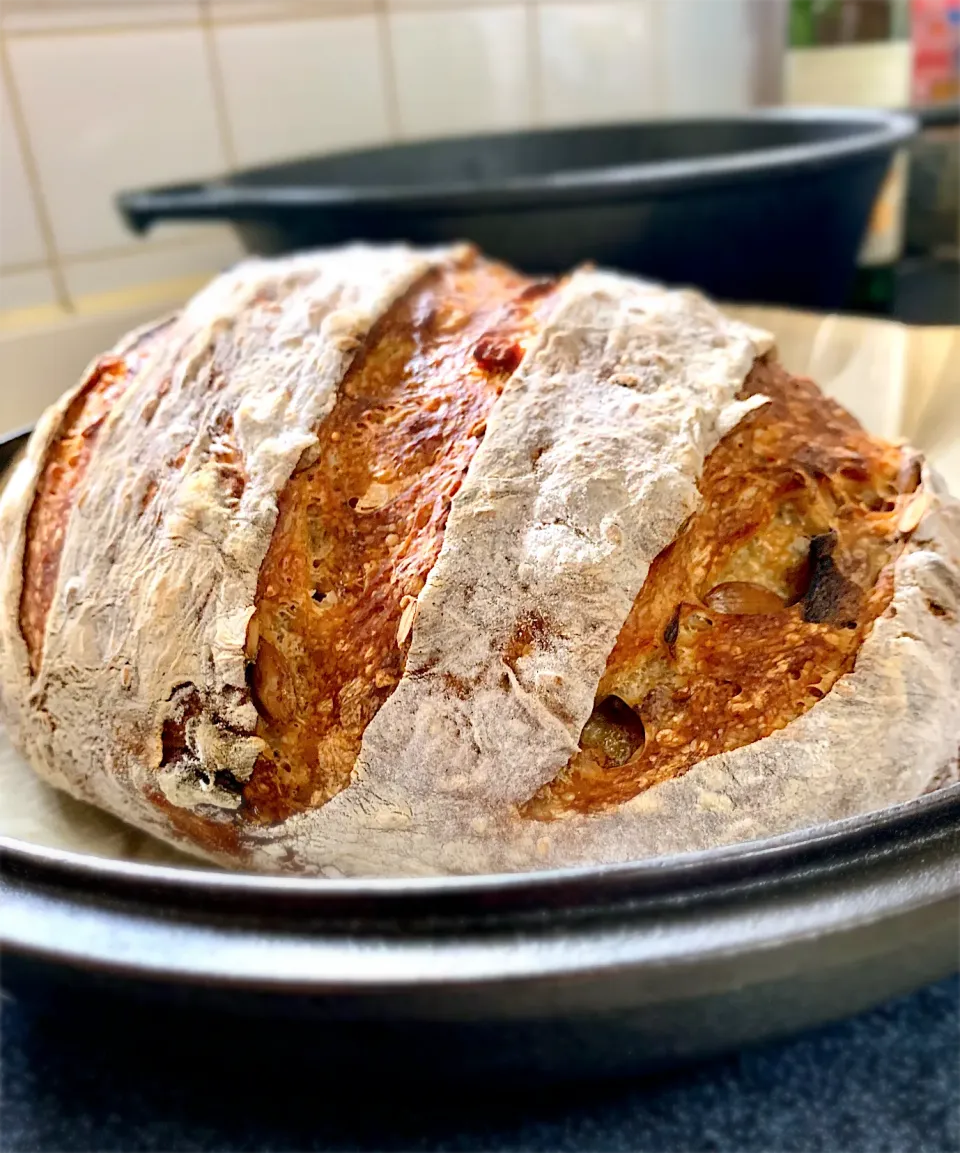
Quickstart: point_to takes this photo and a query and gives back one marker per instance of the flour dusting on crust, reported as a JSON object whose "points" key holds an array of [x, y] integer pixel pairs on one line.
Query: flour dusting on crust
{"points": [[164, 545], [588, 470]]}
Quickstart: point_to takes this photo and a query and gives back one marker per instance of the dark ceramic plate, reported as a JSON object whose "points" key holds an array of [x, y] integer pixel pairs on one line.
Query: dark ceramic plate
{"points": [[570, 972]]}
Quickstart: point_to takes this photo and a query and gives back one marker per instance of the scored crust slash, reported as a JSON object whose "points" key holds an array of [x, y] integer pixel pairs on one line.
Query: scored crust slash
{"points": [[386, 561]]}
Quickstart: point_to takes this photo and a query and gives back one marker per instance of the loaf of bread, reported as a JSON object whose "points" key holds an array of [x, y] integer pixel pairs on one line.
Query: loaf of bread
{"points": [[393, 562]]}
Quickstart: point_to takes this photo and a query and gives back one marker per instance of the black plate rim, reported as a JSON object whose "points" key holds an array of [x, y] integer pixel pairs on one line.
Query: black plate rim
{"points": [[898, 827], [144, 934], [891, 831]]}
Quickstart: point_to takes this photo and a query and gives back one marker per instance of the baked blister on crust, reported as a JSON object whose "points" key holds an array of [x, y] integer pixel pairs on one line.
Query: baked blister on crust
{"points": [[587, 471]]}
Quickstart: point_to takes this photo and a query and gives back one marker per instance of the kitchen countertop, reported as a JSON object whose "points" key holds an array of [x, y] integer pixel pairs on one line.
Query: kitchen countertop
{"points": [[888, 1080]]}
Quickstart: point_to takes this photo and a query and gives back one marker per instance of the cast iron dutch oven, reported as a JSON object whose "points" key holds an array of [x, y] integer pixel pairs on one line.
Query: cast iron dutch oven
{"points": [[767, 207]]}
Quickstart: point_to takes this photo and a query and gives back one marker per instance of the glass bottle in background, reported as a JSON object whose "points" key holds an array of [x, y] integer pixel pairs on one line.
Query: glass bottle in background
{"points": [[858, 52]]}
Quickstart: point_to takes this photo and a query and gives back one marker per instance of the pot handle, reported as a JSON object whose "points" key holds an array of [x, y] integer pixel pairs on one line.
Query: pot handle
{"points": [[143, 208]]}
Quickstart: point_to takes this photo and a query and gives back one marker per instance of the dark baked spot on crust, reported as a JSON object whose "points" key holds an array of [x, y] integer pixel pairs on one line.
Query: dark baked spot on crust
{"points": [[211, 826], [185, 704], [215, 830], [529, 633], [496, 354], [830, 596], [458, 686], [149, 492], [538, 289], [225, 451], [760, 603], [672, 630]]}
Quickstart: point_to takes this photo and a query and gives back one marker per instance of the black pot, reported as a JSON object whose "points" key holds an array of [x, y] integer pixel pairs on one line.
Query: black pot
{"points": [[768, 208]]}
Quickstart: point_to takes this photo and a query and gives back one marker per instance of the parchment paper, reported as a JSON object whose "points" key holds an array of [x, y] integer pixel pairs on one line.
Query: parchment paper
{"points": [[900, 382]]}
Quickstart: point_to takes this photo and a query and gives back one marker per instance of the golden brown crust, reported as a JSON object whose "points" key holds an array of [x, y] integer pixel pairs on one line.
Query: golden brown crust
{"points": [[56, 493], [750, 616], [360, 528]]}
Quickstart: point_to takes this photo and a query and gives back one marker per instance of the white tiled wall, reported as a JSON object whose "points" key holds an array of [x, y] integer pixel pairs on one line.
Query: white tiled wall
{"points": [[604, 60], [21, 241], [704, 60], [106, 111], [101, 95], [460, 69], [290, 85]]}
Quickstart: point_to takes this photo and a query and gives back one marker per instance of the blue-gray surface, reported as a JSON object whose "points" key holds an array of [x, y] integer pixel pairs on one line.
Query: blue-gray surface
{"points": [[888, 1080]]}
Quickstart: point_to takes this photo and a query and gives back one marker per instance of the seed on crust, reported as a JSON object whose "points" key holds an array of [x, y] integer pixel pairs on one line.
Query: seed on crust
{"points": [[743, 597], [914, 512], [407, 616]]}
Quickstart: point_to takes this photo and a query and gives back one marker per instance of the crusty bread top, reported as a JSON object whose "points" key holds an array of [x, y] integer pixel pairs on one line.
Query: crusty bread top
{"points": [[198, 598]]}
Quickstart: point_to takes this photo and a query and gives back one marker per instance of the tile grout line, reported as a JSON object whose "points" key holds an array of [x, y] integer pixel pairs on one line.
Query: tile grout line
{"points": [[388, 71], [337, 9], [221, 108], [118, 251], [534, 64], [119, 26], [658, 35], [18, 268], [32, 171]]}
